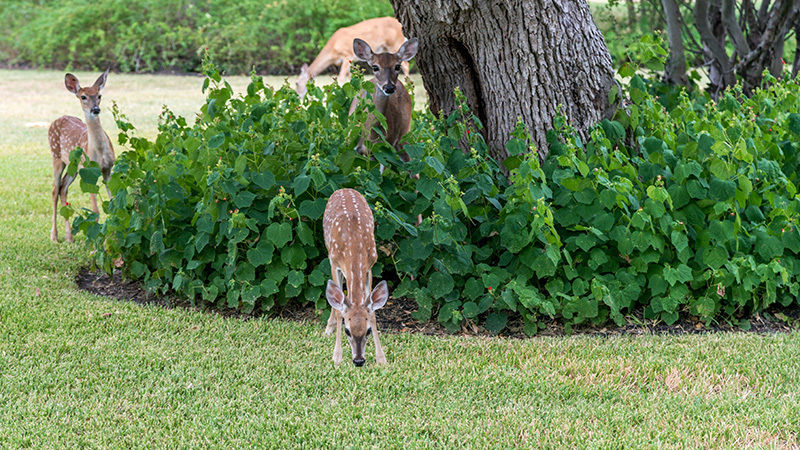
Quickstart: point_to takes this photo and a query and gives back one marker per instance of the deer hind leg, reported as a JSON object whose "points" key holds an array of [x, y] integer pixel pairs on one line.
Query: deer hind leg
{"points": [[58, 169], [65, 182], [380, 357]]}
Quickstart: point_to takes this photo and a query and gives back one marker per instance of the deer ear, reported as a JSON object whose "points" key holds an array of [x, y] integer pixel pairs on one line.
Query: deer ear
{"points": [[379, 296], [408, 49], [71, 82], [362, 49], [101, 81], [335, 296]]}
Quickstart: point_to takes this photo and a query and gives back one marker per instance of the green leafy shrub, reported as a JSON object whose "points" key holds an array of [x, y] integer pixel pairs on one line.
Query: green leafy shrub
{"points": [[690, 209], [155, 35]]}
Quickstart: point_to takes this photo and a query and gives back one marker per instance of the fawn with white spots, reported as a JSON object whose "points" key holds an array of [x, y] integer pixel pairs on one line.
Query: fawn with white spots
{"points": [[68, 132], [349, 230]]}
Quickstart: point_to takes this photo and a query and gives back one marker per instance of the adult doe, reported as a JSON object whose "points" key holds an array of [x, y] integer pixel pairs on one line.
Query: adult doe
{"points": [[68, 132], [384, 33], [390, 96], [349, 230]]}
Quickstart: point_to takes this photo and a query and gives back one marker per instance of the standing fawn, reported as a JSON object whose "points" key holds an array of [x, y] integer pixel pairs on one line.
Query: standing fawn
{"points": [[390, 96], [350, 238], [68, 132]]}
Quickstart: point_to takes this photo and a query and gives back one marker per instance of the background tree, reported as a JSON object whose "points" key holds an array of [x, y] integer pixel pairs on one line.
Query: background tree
{"points": [[735, 40], [512, 59]]}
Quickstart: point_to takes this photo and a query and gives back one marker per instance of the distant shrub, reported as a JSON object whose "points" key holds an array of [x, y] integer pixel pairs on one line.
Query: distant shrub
{"points": [[274, 36]]}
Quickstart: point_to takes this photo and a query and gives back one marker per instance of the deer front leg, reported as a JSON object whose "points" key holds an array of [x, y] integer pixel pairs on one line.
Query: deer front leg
{"points": [[332, 320], [380, 357], [94, 203], [337, 349], [344, 71]]}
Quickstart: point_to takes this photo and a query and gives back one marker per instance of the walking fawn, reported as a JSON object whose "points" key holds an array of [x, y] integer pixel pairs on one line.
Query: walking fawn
{"points": [[390, 96], [68, 132], [350, 238]]}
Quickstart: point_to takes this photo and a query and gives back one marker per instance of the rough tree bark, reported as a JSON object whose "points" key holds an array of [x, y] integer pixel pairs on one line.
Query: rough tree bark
{"points": [[512, 59]]}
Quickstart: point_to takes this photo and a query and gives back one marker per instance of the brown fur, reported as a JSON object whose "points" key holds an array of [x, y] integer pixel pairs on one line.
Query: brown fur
{"points": [[395, 106], [68, 132], [383, 33], [349, 230]]}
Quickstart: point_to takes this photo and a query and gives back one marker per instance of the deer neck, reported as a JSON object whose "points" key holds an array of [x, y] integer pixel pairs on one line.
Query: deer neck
{"points": [[381, 99], [98, 142]]}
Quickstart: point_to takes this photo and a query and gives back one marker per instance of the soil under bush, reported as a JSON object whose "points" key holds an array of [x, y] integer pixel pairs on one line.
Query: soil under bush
{"points": [[395, 317]]}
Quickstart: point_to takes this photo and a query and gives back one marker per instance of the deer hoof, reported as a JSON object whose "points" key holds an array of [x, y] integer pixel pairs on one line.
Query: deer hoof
{"points": [[381, 360]]}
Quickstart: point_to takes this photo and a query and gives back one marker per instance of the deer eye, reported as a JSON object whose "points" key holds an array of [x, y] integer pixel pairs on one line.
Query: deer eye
{"points": [[397, 68], [369, 331], [376, 68], [83, 97], [347, 332], [99, 97]]}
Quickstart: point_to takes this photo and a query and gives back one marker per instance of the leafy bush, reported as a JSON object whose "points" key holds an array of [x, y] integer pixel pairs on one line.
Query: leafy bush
{"points": [[154, 35], [680, 205]]}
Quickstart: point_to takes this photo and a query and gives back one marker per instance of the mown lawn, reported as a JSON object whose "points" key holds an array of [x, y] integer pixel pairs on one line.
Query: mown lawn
{"points": [[81, 370]]}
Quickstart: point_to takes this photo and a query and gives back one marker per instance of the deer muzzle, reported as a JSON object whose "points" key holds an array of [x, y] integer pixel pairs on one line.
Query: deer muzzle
{"points": [[389, 89]]}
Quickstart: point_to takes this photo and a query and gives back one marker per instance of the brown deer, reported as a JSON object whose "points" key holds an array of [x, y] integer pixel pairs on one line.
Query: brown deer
{"points": [[390, 96], [384, 33], [68, 132], [349, 236]]}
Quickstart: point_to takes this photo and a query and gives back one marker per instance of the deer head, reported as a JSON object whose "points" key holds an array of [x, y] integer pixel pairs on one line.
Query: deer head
{"points": [[89, 97], [385, 66], [356, 310]]}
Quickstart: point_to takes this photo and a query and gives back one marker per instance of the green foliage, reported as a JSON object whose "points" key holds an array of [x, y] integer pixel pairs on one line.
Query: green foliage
{"points": [[693, 209], [687, 209], [154, 35]]}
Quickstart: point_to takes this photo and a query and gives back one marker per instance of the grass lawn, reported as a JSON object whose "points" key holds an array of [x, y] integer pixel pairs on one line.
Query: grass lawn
{"points": [[80, 370]]}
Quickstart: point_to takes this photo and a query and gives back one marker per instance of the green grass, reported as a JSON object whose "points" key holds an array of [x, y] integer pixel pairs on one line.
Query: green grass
{"points": [[81, 370]]}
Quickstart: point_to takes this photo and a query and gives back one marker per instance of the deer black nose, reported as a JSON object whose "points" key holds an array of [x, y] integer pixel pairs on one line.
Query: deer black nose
{"points": [[358, 362], [389, 89], [96, 110]]}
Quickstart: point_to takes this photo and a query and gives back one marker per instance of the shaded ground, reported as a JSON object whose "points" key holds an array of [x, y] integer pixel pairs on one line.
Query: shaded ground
{"points": [[396, 317]]}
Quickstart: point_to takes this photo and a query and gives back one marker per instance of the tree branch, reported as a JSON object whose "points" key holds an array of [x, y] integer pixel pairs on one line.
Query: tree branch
{"points": [[707, 37], [732, 27]]}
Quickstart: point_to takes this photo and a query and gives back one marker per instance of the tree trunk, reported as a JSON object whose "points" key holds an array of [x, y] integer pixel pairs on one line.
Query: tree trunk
{"points": [[675, 71], [512, 59], [632, 19]]}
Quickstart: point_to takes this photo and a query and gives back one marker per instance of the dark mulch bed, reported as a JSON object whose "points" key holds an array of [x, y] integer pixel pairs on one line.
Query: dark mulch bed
{"points": [[396, 315]]}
